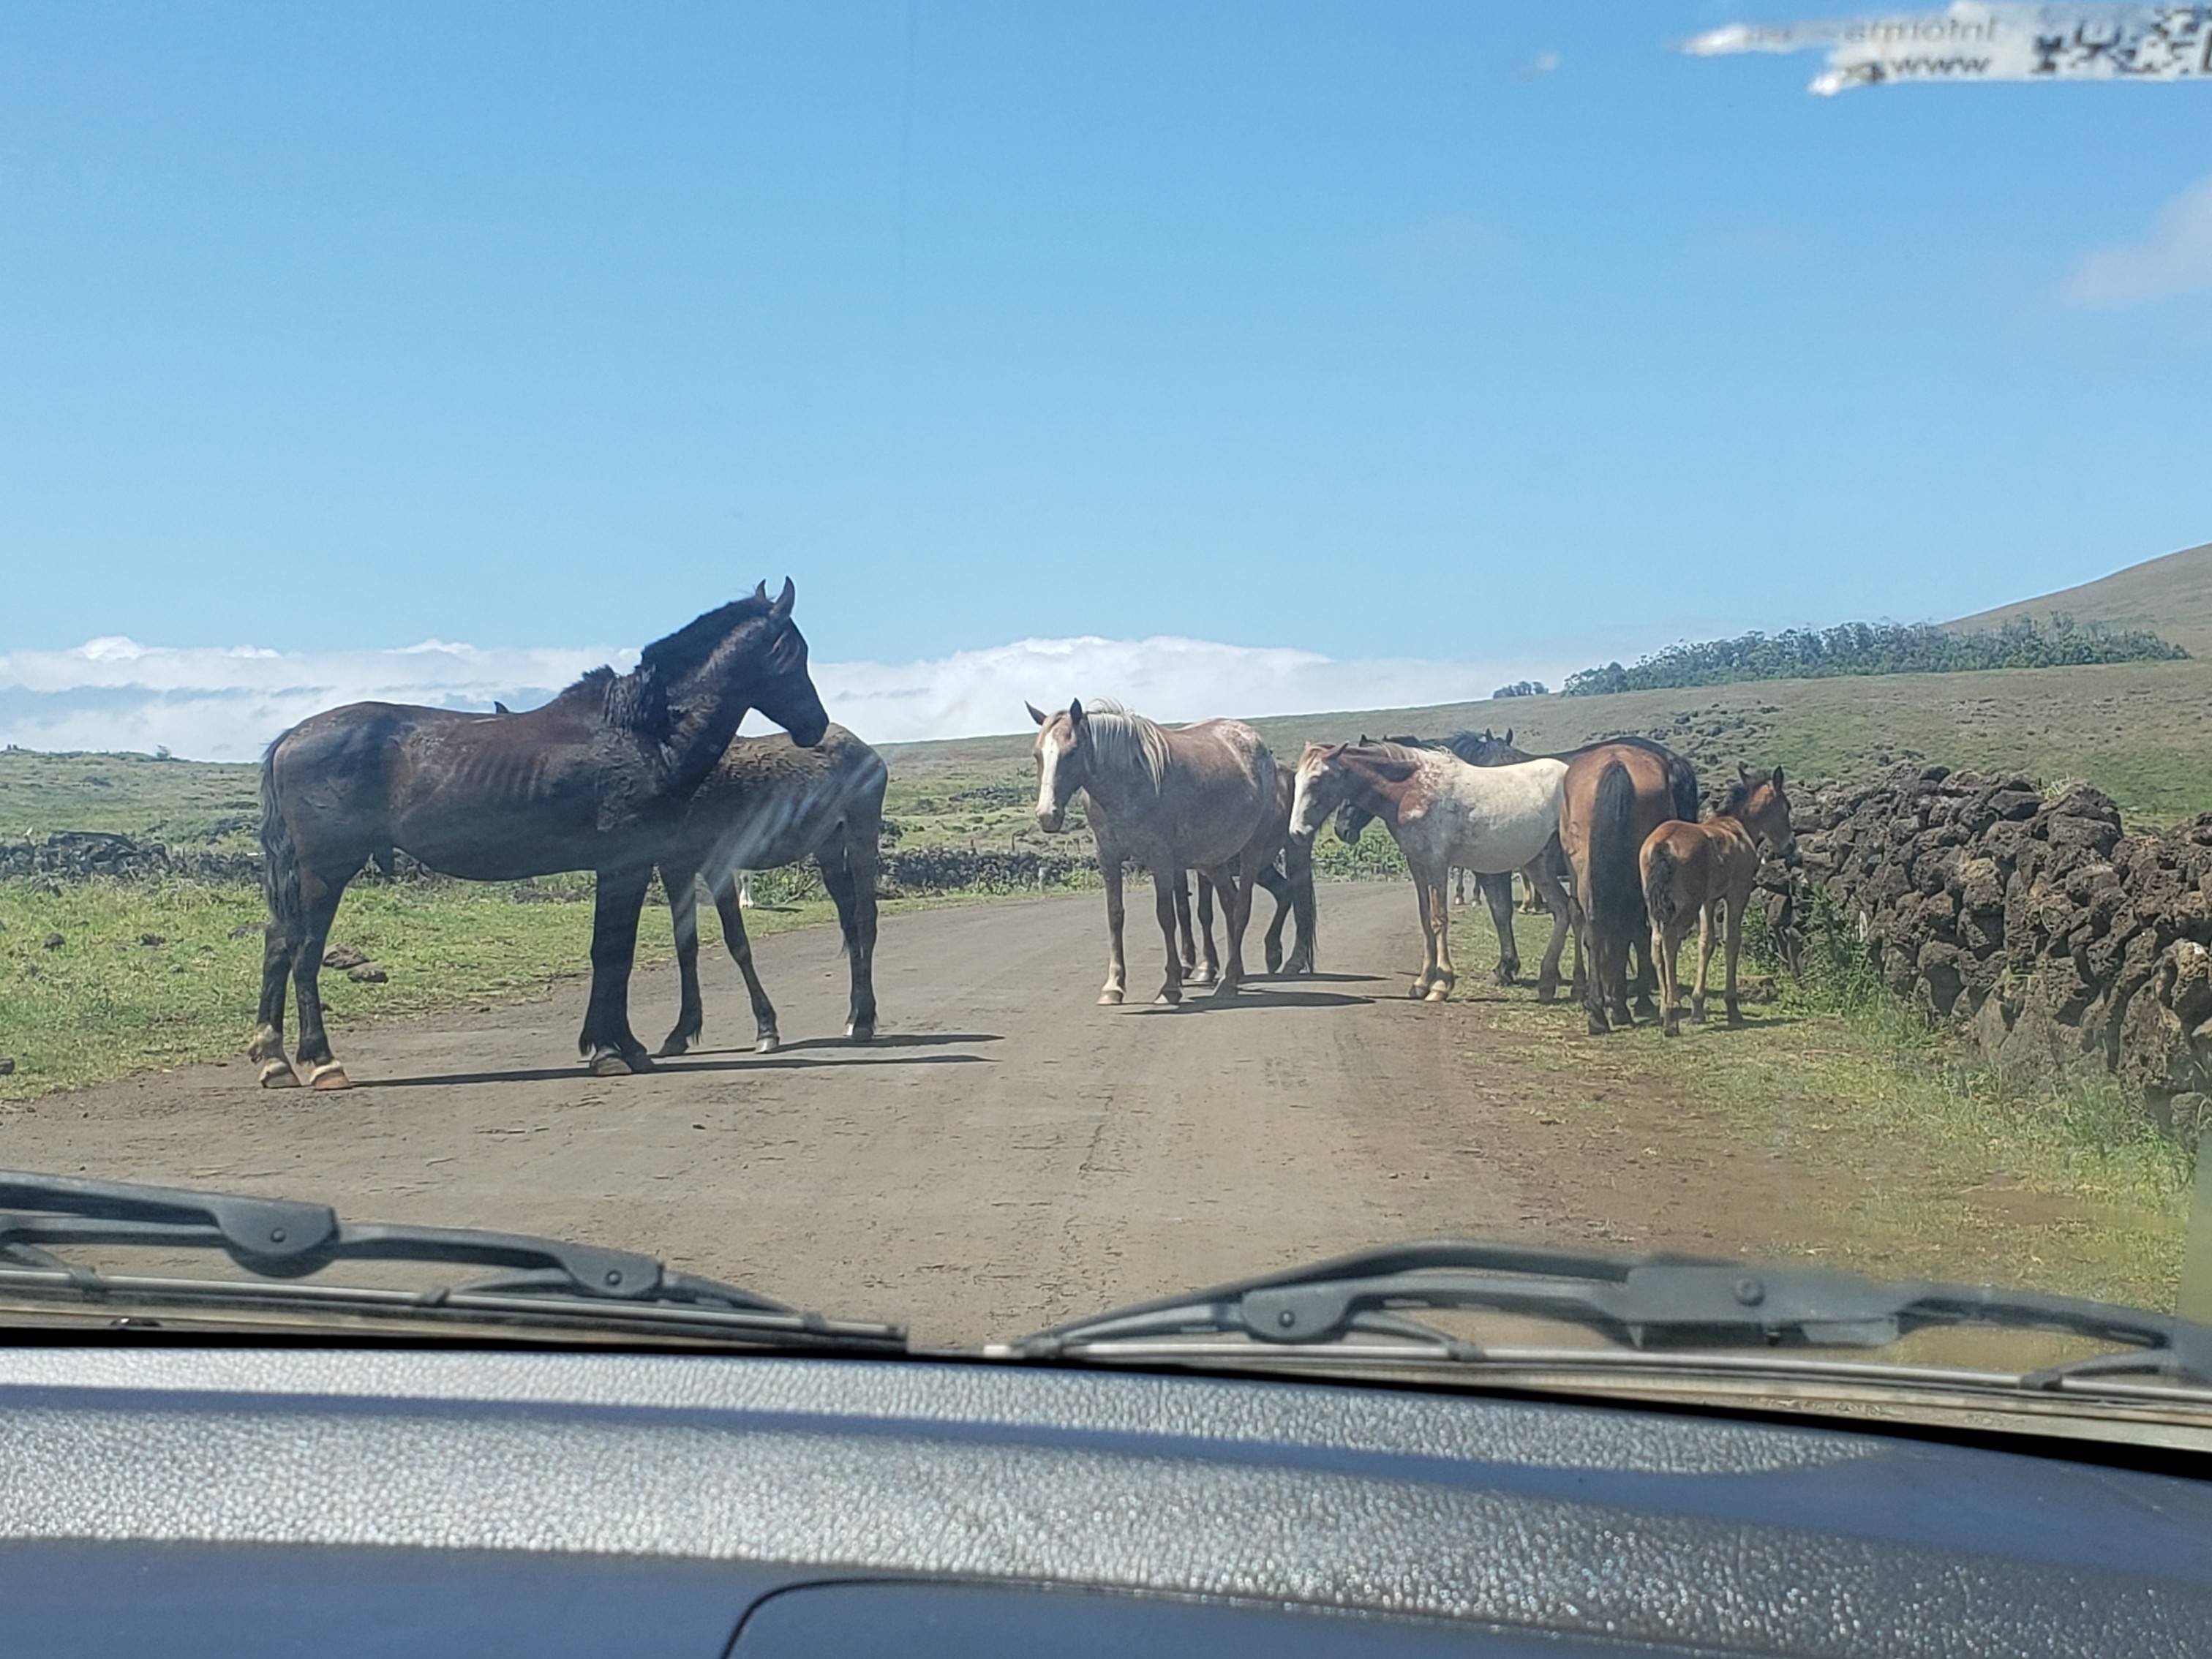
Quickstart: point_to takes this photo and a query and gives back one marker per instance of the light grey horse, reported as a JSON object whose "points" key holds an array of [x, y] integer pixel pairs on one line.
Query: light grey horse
{"points": [[769, 803], [1191, 798]]}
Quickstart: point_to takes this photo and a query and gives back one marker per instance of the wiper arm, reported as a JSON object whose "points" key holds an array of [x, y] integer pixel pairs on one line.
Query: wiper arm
{"points": [[1651, 1303], [284, 1245]]}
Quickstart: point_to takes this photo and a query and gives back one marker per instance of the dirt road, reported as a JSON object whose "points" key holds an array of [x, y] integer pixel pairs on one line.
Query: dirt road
{"points": [[1006, 1154]]}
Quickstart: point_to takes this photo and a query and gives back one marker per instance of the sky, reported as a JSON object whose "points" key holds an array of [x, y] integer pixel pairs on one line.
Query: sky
{"points": [[1224, 357]]}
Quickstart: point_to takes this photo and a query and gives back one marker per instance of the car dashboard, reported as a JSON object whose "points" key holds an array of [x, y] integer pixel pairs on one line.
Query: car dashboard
{"points": [[350, 1502]]}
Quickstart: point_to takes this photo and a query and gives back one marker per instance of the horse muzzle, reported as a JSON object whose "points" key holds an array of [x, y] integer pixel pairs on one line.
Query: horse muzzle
{"points": [[1049, 821]]}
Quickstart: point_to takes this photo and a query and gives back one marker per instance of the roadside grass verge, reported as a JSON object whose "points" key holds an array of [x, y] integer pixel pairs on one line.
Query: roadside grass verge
{"points": [[1837, 1129], [105, 1003]]}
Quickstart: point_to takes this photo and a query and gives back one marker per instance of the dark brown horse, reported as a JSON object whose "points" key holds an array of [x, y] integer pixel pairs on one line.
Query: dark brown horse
{"points": [[598, 780], [768, 804], [1291, 886], [1617, 793], [1691, 871]]}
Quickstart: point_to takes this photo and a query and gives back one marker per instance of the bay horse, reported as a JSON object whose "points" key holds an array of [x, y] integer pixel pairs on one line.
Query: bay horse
{"points": [[596, 779], [767, 804], [1443, 811], [1196, 797], [1617, 791], [1290, 882], [1693, 869]]}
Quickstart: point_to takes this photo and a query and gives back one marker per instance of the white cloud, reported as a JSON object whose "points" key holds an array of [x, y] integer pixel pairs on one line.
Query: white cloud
{"points": [[2174, 259], [225, 704]]}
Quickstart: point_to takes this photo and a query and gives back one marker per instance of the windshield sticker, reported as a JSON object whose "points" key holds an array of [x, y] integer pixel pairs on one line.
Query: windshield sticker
{"points": [[1977, 42]]}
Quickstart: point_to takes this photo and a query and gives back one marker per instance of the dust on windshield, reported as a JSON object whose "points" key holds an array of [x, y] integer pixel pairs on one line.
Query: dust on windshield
{"points": [[967, 665]]}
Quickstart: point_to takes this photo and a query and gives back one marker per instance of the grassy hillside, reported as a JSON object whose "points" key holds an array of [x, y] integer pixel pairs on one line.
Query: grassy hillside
{"points": [[2143, 731], [2139, 731], [2172, 596]]}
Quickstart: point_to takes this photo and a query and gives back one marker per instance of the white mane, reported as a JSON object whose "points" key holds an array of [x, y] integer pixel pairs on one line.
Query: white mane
{"points": [[1126, 742]]}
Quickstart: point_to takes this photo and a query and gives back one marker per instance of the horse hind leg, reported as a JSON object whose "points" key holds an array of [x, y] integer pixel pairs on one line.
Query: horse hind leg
{"points": [[318, 906], [1278, 889], [280, 945], [1206, 970], [740, 945], [848, 871], [684, 919], [1497, 893], [1163, 886]]}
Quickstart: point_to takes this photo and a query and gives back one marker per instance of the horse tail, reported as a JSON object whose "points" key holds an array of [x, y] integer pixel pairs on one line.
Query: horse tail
{"points": [[1660, 895], [1616, 888], [280, 855], [1682, 783]]}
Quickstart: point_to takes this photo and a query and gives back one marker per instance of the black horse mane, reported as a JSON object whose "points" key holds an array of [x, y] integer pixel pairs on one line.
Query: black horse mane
{"points": [[638, 701]]}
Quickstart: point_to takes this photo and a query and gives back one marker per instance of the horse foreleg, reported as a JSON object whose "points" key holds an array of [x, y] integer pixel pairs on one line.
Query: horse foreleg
{"points": [[683, 916], [1117, 972], [1663, 942], [1440, 987], [609, 1045], [740, 946], [1427, 976], [1164, 882], [319, 904]]}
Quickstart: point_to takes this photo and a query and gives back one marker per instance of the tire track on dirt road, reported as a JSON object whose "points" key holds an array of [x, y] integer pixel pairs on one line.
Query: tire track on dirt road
{"points": [[1005, 1155]]}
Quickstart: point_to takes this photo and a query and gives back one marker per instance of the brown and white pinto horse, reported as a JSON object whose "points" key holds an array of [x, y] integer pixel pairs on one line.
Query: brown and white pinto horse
{"points": [[1444, 812], [1616, 793], [1692, 869], [1188, 798]]}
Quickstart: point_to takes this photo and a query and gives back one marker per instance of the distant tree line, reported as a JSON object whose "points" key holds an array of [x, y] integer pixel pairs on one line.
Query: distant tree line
{"points": [[1875, 649], [1523, 688]]}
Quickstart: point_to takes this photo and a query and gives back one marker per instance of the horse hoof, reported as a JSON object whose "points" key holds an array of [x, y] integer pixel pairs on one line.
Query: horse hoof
{"points": [[674, 1047], [1170, 996], [766, 1043], [859, 1033], [1200, 977], [1274, 960], [278, 1075], [328, 1076], [1436, 993], [1227, 987], [1110, 998], [610, 1064], [1547, 994]]}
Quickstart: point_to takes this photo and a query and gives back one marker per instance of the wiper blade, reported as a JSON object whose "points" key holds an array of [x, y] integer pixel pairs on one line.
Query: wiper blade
{"points": [[285, 1245], [1651, 1302]]}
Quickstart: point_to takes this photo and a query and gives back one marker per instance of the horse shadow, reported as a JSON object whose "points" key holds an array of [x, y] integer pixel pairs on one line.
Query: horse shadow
{"points": [[748, 1062], [1268, 996]]}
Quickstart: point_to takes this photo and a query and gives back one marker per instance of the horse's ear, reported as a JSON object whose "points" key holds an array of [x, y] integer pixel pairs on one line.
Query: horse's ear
{"points": [[1777, 777], [1075, 712], [1036, 714], [1743, 771], [1507, 738], [761, 592], [784, 600]]}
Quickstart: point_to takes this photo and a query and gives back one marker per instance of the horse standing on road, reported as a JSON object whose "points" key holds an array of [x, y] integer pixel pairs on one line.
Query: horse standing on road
{"points": [[769, 803], [1443, 811], [1187, 798], [1291, 886], [1693, 869], [1617, 793], [597, 780]]}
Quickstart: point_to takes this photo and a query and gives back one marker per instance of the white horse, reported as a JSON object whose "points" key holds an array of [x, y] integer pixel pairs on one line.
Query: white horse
{"points": [[1444, 813]]}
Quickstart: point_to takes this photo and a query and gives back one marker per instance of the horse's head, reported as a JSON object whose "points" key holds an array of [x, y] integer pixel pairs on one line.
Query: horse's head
{"points": [[1756, 801], [1352, 820], [784, 690], [1320, 788], [1064, 755]]}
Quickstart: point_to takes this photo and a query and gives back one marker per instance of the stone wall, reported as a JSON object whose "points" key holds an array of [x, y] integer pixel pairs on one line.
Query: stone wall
{"points": [[2032, 921]]}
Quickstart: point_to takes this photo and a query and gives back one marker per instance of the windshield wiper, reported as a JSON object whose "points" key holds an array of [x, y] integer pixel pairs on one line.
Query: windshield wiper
{"points": [[1652, 1303], [284, 1245]]}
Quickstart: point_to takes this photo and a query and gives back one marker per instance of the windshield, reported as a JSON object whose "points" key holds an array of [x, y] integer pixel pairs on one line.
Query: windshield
{"points": [[962, 664]]}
